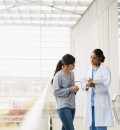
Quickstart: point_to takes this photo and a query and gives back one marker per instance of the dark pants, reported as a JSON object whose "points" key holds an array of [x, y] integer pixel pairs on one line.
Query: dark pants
{"points": [[92, 127], [67, 116]]}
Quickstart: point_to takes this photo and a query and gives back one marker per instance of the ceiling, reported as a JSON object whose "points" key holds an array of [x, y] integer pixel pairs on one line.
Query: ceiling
{"points": [[43, 13]]}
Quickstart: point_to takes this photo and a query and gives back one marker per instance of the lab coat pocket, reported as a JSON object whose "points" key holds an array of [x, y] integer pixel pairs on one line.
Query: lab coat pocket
{"points": [[104, 99]]}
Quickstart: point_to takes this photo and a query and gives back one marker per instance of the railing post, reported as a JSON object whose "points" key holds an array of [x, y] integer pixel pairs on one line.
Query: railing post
{"points": [[49, 123]]}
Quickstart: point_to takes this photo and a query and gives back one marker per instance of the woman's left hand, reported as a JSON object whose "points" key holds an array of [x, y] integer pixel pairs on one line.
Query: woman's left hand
{"points": [[90, 84]]}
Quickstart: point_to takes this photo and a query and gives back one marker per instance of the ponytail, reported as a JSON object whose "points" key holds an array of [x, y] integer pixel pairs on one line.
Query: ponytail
{"points": [[58, 68], [103, 59]]}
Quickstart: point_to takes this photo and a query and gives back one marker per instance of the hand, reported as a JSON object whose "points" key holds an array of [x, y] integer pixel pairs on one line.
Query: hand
{"points": [[74, 88], [90, 84]]}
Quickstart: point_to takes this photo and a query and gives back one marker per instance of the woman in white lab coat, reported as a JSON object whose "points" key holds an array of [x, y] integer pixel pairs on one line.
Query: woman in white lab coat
{"points": [[98, 108]]}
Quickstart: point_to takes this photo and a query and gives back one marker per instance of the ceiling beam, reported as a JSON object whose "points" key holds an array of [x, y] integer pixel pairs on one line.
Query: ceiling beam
{"points": [[41, 12], [41, 18], [47, 3], [37, 25]]}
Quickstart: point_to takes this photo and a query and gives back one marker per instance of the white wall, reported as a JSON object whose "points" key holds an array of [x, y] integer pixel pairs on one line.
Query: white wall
{"points": [[98, 28]]}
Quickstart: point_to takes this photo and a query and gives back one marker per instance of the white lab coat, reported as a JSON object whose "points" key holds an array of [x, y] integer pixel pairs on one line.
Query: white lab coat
{"points": [[102, 105]]}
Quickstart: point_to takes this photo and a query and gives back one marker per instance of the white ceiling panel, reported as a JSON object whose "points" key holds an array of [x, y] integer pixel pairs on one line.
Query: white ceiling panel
{"points": [[63, 13]]}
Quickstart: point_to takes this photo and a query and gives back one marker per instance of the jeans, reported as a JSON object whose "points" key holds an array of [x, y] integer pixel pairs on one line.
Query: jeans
{"points": [[92, 127], [67, 117]]}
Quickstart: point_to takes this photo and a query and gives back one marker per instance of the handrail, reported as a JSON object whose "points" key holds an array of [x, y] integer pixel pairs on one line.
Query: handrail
{"points": [[114, 108], [78, 81], [49, 117]]}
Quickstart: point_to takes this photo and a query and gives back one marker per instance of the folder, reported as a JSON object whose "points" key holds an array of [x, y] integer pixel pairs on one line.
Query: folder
{"points": [[99, 81]]}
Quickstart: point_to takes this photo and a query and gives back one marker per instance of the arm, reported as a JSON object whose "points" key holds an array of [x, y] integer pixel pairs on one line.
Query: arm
{"points": [[105, 86], [58, 91], [62, 92]]}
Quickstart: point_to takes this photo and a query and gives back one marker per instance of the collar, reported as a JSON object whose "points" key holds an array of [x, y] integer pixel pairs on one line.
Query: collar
{"points": [[101, 66]]}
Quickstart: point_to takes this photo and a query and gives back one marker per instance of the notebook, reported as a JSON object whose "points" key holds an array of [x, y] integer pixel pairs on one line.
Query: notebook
{"points": [[99, 81]]}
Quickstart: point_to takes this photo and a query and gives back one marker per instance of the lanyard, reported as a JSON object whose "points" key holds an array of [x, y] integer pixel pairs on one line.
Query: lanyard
{"points": [[92, 73]]}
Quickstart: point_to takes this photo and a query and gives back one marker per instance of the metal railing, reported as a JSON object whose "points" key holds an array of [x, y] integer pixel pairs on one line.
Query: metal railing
{"points": [[116, 107]]}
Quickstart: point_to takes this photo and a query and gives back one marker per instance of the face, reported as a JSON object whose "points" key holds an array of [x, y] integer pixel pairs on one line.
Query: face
{"points": [[94, 59], [71, 66]]}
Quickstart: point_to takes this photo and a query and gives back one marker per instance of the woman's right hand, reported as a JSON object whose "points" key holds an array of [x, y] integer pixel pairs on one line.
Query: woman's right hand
{"points": [[74, 89]]}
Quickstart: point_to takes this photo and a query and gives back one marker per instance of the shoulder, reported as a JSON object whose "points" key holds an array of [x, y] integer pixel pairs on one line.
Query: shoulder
{"points": [[57, 78], [58, 74], [104, 67], [72, 72], [88, 68]]}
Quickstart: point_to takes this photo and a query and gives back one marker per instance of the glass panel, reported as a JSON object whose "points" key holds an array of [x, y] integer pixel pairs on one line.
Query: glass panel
{"points": [[24, 51]]}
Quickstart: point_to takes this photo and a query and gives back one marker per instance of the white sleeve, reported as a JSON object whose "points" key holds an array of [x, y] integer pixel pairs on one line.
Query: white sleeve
{"points": [[105, 86]]}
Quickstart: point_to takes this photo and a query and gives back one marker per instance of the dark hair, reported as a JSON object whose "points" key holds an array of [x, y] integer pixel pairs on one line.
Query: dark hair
{"points": [[66, 60], [99, 54]]}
